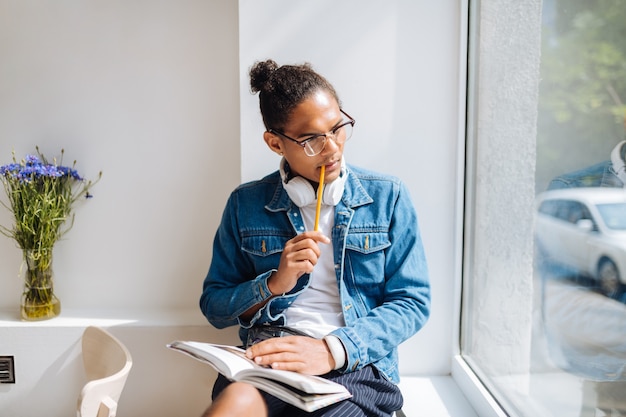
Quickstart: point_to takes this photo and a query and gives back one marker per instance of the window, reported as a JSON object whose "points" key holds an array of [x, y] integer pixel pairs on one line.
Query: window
{"points": [[544, 269]]}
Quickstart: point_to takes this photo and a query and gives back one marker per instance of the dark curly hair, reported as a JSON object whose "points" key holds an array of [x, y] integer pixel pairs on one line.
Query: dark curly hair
{"points": [[282, 88]]}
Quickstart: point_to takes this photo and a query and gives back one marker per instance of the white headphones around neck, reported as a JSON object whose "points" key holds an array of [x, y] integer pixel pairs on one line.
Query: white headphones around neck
{"points": [[619, 165], [301, 191]]}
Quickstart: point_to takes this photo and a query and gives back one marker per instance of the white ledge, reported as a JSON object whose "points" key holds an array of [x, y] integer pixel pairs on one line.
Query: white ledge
{"points": [[107, 318]]}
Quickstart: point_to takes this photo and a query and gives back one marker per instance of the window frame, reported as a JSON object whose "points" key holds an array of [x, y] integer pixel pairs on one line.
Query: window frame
{"points": [[468, 376]]}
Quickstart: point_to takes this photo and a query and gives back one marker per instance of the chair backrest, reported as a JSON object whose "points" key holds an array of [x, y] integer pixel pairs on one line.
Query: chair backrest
{"points": [[107, 363]]}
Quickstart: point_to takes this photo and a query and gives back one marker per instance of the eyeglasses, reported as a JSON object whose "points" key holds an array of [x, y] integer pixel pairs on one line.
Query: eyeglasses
{"points": [[315, 144]]}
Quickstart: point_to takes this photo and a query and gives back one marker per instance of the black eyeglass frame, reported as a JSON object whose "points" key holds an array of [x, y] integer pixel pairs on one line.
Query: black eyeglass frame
{"points": [[303, 143]]}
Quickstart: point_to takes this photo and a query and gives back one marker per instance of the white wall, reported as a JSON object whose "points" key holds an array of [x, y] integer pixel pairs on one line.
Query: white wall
{"points": [[147, 92]]}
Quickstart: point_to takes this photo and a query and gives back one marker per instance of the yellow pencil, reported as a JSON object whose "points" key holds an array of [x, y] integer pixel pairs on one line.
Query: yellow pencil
{"points": [[320, 193]]}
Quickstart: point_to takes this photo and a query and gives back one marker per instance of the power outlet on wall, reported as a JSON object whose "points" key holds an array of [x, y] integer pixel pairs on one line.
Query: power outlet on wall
{"points": [[7, 370]]}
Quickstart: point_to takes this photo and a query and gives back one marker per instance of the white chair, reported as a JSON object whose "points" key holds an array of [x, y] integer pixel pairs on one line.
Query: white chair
{"points": [[107, 363]]}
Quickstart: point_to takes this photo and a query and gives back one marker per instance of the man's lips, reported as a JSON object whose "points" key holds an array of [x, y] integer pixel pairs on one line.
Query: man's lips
{"points": [[332, 165]]}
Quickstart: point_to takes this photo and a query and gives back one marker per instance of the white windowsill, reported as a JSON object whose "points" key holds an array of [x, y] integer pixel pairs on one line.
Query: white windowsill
{"points": [[434, 396], [474, 390]]}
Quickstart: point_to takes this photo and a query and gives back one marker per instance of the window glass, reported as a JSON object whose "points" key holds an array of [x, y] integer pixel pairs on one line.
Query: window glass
{"points": [[575, 329], [581, 326], [613, 215]]}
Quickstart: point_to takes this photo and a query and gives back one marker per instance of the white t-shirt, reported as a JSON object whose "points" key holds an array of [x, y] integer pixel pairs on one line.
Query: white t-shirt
{"points": [[317, 311]]}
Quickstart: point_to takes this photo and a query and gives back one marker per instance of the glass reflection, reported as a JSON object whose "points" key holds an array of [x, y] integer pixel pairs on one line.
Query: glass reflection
{"points": [[581, 213]]}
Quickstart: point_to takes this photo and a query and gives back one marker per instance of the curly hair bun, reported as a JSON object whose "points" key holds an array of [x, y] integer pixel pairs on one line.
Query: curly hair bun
{"points": [[282, 88], [260, 74]]}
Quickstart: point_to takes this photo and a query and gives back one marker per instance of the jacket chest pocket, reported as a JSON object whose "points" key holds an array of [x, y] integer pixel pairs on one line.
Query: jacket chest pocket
{"points": [[365, 264], [263, 245], [263, 251], [367, 242]]}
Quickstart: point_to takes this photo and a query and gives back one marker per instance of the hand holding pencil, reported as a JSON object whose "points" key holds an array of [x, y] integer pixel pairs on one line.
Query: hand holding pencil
{"points": [[301, 253]]}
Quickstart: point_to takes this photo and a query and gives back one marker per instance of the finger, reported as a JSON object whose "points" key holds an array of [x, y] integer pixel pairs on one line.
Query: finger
{"points": [[286, 360], [272, 346], [288, 366], [321, 238], [264, 347], [308, 255], [305, 255], [282, 360], [303, 244], [316, 236]]}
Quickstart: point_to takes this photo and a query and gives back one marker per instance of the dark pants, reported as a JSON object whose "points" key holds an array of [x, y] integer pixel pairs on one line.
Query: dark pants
{"points": [[372, 395]]}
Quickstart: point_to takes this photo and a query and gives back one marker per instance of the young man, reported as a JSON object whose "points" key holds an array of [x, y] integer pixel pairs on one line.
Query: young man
{"points": [[351, 291]]}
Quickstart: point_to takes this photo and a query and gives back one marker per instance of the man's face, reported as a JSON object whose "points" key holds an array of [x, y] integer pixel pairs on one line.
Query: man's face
{"points": [[316, 115]]}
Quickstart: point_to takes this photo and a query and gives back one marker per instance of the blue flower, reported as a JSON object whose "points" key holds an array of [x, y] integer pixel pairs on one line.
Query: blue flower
{"points": [[9, 168], [32, 160], [69, 172]]}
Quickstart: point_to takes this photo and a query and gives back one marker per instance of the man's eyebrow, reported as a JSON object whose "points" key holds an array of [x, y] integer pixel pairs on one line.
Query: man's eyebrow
{"points": [[308, 135]]}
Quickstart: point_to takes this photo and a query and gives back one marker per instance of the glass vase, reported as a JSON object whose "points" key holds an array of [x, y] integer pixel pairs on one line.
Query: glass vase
{"points": [[38, 299]]}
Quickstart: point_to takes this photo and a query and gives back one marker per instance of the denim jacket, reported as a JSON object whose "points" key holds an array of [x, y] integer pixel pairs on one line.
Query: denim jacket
{"points": [[598, 175], [379, 264]]}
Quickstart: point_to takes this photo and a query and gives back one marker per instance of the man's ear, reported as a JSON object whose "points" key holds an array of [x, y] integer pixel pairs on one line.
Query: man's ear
{"points": [[273, 142]]}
